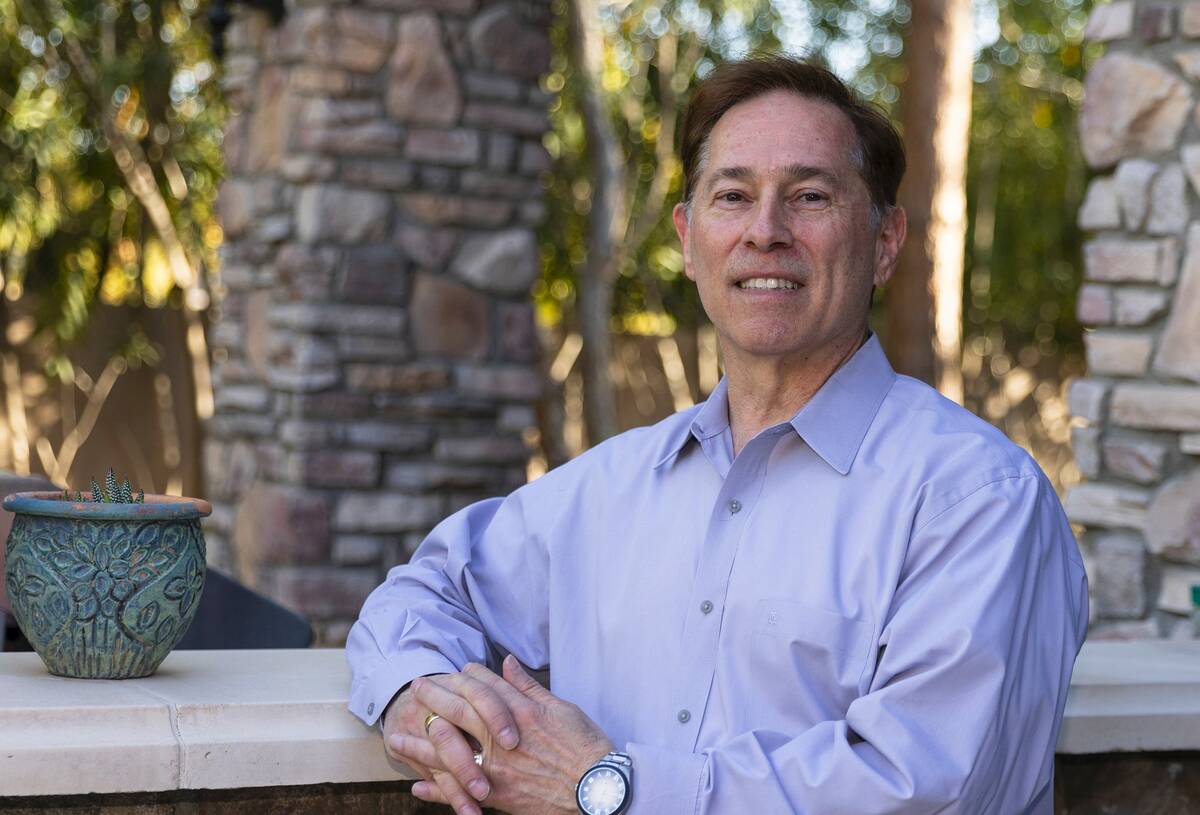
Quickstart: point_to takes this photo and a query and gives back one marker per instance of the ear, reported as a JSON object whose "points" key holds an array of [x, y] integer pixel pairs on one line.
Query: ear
{"points": [[679, 216], [888, 243]]}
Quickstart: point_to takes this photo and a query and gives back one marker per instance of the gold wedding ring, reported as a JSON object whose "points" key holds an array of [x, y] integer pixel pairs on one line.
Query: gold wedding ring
{"points": [[433, 717]]}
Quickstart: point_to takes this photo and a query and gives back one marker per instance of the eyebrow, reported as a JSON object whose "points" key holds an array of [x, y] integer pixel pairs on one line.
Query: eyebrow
{"points": [[793, 172]]}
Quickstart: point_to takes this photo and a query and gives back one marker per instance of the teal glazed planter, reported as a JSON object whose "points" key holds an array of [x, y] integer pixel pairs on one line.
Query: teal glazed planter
{"points": [[104, 591]]}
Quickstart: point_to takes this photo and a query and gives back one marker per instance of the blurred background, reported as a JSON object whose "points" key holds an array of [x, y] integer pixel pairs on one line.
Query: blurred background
{"points": [[111, 123]]}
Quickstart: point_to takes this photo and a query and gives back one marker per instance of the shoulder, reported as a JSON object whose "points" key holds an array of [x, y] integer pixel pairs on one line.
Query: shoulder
{"points": [[970, 488], [619, 459], [917, 416], [946, 452]]}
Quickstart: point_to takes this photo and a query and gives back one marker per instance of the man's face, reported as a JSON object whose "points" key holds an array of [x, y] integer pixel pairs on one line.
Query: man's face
{"points": [[781, 242]]}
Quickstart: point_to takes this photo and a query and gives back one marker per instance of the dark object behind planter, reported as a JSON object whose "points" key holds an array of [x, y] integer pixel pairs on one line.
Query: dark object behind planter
{"points": [[233, 616], [104, 591]]}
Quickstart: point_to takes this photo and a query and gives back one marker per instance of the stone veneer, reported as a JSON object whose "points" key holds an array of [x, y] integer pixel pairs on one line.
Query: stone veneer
{"points": [[1139, 439], [376, 354]]}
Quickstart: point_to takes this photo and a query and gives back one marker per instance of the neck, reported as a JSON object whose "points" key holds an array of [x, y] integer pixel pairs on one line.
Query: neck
{"points": [[765, 391]]}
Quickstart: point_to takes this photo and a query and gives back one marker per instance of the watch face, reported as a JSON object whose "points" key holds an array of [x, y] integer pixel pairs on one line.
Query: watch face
{"points": [[602, 791]]}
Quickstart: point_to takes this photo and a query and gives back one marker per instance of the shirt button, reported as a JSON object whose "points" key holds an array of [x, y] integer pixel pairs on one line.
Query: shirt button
{"points": [[684, 716], [370, 708], [705, 607], [735, 506]]}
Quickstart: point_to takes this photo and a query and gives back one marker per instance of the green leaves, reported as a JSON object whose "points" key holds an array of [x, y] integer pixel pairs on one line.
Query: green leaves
{"points": [[114, 492], [72, 233]]}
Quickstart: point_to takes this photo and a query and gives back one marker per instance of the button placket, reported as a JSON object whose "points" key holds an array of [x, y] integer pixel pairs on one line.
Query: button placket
{"points": [[702, 631]]}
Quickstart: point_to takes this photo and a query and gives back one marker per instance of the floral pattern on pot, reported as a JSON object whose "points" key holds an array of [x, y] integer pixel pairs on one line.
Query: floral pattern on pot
{"points": [[102, 598]]}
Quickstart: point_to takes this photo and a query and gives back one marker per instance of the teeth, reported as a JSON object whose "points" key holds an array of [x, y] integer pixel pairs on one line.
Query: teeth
{"points": [[768, 283]]}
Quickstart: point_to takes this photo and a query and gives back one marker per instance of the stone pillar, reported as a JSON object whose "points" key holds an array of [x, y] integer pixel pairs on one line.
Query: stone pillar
{"points": [[375, 349], [1138, 438]]}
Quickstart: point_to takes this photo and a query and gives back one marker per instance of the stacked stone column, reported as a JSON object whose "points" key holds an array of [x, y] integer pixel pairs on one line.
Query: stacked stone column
{"points": [[375, 350], [1137, 442]]}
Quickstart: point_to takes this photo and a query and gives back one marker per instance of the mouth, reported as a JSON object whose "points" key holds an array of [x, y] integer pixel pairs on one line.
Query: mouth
{"points": [[768, 284]]}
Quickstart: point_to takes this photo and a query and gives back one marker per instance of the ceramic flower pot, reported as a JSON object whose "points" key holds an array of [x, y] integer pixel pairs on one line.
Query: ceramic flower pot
{"points": [[104, 591]]}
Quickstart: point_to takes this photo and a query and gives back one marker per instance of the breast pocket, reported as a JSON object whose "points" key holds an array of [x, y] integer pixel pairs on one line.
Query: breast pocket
{"points": [[817, 655]]}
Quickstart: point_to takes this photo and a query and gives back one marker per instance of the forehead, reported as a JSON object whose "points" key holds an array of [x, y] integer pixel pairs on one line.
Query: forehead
{"points": [[781, 129]]}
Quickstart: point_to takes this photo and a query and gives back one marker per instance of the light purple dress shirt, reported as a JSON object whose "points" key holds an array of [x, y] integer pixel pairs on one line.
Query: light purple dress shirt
{"points": [[872, 608]]}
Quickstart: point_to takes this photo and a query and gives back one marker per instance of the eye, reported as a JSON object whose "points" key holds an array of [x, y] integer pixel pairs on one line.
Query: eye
{"points": [[731, 197], [811, 199]]}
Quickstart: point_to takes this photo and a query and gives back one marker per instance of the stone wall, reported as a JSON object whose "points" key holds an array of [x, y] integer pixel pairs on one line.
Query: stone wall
{"points": [[1138, 435], [375, 349]]}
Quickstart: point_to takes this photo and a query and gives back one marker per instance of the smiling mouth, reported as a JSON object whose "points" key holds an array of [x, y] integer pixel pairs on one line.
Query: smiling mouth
{"points": [[767, 283]]}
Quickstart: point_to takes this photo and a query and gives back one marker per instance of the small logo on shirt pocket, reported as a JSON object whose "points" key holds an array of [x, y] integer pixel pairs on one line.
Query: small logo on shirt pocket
{"points": [[815, 656], [812, 627]]}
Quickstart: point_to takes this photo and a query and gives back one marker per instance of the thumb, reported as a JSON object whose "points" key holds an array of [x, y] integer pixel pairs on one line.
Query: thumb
{"points": [[515, 675]]}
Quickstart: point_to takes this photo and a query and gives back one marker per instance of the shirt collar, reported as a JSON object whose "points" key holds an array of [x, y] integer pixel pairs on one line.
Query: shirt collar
{"points": [[833, 423]]}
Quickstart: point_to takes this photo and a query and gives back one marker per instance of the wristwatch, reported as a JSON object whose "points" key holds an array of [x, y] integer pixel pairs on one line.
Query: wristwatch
{"points": [[607, 787]]}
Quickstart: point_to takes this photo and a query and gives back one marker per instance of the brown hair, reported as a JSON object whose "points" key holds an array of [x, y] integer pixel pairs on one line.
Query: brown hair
{"points": [[879, 154]]}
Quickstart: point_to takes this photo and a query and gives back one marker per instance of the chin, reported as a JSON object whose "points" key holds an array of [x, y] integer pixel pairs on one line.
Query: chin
{"points": [[772, 347]]}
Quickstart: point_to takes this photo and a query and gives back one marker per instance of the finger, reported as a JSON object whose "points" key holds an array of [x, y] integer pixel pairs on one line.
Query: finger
{"points": [[516, 676], [428, 791], [416, 753], [488, 705], [512, 697], [455, 796], [458, 758], [444, 698]]}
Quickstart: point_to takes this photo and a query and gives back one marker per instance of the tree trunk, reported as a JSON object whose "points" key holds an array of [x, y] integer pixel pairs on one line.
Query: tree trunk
{"points": [[606, 220], [924, 300]]}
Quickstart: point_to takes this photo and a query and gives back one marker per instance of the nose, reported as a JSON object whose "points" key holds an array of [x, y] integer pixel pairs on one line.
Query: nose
{"points": [[768, 228]]}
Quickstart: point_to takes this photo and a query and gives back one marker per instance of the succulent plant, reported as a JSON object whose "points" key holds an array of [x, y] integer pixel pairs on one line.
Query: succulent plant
{"points": [[114, 492]]}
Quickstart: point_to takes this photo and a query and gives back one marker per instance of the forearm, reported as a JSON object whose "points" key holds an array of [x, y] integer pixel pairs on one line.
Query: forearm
{"points": [[442, 610]]}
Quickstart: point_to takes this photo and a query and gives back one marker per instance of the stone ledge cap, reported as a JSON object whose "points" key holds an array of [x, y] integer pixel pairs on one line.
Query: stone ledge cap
{"points": [[204, 720], [1133, 696], [228, 719]]}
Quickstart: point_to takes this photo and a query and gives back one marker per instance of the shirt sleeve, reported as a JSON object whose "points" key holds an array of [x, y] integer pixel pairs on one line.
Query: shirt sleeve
{"points": [[480, 570], [963, 709]]}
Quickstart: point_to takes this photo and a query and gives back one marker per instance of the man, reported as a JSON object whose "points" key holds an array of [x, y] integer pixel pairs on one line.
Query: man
{"points": [[825, 590]]}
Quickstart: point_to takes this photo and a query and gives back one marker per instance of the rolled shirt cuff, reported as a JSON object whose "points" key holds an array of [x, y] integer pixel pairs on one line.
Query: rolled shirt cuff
{"points": [[369, 697], [665, 782]]}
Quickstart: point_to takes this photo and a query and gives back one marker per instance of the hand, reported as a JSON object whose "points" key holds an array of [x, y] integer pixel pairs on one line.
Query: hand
{"points": [[537, 777], [468, 709]]}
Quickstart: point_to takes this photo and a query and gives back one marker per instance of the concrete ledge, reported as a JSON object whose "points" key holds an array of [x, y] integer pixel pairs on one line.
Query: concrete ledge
{"points": [[205, 720], [250, 719], [1133, 696]]}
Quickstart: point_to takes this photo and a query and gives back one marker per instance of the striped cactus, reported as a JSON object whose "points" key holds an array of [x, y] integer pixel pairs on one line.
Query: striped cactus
{"points": [[115, 491]]}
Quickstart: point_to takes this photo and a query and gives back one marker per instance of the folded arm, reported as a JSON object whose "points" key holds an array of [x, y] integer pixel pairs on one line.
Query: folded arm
{"points": [[478, 571]]}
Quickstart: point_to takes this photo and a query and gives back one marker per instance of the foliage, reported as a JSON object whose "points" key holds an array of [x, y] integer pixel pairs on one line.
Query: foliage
{"points": [[114, 492], [110, 153], [1025, 185], [74, 76]]}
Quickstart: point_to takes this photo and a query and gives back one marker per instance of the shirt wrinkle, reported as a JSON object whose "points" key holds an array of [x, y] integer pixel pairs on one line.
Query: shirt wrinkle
{"points": [[969, 492]]}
